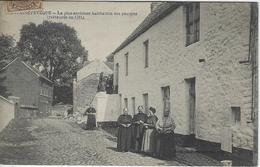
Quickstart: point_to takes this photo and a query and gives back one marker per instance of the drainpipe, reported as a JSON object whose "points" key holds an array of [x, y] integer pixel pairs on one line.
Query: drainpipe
{"points": [[253, 45]]}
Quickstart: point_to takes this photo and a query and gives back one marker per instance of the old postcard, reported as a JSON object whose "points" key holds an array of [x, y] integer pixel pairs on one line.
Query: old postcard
{"points": [[133, 83]]}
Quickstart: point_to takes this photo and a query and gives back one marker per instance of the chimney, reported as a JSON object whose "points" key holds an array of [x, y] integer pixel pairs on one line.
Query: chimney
{"points": [[155, 4]]}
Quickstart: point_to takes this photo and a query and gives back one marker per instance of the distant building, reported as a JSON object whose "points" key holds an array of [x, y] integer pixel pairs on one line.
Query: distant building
{"points": [[110, 58], [195, 55], [34, 90], [85, 87]]}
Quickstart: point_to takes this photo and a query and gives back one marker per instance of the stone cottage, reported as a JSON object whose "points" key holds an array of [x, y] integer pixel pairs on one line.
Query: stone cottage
{"points": [[197, 56], [85, 87], [33, 89]]}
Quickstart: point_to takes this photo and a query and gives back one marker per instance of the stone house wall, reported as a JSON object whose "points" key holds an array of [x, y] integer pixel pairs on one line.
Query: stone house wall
{"points": [[84, 91], [221, 81], [21, 82], [7, 109]]}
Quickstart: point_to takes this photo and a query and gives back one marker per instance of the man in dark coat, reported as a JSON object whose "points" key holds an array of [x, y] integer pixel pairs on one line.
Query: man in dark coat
{"points": [[138, 129]]}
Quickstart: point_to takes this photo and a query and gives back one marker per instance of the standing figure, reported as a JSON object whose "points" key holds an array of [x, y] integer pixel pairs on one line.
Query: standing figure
{"points": [[165, 140], [148, 144], [91, 122], [138, 129], [124, 131]]}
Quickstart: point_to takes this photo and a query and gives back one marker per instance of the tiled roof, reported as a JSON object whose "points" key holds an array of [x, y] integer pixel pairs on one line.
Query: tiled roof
{"points": [[110, 65], [155, 16], [31, 68], [37, 72]]}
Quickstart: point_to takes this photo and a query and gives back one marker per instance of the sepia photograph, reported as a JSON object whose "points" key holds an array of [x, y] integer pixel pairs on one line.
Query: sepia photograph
{"points": [[129, 83]]}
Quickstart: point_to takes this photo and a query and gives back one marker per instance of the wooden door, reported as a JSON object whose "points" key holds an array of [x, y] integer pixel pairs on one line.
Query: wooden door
{"points": [[166, 99], [191, 104]]}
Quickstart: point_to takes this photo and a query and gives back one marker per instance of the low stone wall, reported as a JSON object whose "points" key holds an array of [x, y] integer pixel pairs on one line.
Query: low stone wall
{"points": [[7, 109], [110, 126]]}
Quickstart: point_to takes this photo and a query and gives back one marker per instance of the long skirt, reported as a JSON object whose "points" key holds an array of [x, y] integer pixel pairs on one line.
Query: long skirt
{"points": [[165, 148], [124, 139], [91, 122], [148, 143], [137, 137]]}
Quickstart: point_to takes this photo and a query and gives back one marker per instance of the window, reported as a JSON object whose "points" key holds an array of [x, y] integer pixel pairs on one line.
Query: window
{"points": [[166, 99], [146, 105], [126, 102], [192, 23], [120, 101], [146, 56], [236, 115], [126, 64], [133, 105], [117, 74]]}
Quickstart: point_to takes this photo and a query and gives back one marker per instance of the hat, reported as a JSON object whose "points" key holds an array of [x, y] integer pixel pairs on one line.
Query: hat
{"points": [[140, 107], [152, 109]]}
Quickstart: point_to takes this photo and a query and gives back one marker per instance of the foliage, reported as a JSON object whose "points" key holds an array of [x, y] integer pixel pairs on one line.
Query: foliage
{"points": [[8, 50], [53, 46]]}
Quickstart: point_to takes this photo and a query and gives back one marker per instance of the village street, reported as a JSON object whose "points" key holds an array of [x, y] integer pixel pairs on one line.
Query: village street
{"points": [[60, 142]]}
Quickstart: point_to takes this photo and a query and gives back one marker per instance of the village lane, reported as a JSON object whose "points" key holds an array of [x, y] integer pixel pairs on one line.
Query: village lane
{"points": [[60, 142]]}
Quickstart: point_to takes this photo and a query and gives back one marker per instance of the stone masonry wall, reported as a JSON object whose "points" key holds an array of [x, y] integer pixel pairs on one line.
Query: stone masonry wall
{"points": [[21, 82], [85, 91], [221, 81]]}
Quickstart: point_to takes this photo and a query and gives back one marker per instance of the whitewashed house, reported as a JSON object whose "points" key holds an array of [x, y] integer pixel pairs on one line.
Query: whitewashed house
{"points": [[197, 56]]}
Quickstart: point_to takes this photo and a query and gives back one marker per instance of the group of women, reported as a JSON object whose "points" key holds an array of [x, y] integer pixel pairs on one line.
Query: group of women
{"points": [[145, 133]]}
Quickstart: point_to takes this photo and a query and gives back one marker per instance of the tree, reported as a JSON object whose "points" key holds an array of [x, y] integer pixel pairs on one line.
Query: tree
{"points": [[8, 50], [53, 46]]}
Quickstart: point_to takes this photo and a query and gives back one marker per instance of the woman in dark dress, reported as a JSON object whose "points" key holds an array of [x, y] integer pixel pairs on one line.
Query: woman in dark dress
{"points": [[165, 139], [124, 132], [148, 145], [138, 129], [91, 121]]}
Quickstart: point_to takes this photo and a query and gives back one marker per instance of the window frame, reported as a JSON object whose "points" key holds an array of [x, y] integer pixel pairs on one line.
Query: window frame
{"points": [[236, 115], [126, 63], [146, 53], [192, 23]]}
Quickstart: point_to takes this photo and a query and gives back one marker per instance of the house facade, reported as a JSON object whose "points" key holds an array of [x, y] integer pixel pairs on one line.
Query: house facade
{"points": [[34, 90], [85, 87], [196, 56]]}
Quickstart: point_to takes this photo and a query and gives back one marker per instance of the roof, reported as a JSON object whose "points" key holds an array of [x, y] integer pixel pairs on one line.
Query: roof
{"points": [[31, 68], [94, 67], [9, 101], [155, 16], [37, 72], [110, 65]]}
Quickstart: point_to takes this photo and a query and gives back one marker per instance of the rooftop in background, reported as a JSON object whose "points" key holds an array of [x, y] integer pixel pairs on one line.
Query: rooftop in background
{"points": [[159, 11], [95, 67], [34, 70]]}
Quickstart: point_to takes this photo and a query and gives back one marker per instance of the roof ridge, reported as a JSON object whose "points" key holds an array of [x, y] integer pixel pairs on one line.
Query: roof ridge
{"points": [[9, 63], [36, 71], [152, 18]]}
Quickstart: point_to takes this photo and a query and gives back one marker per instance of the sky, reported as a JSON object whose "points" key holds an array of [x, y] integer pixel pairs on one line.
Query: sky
{"points": [[99, 34]]}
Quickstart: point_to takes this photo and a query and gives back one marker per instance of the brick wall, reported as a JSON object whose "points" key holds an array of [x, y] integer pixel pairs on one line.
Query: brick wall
{"points": [[221, 81]]}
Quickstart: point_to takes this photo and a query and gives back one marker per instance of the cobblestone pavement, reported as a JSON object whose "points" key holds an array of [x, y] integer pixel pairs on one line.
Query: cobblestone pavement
{"points": [[60, 142]]}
